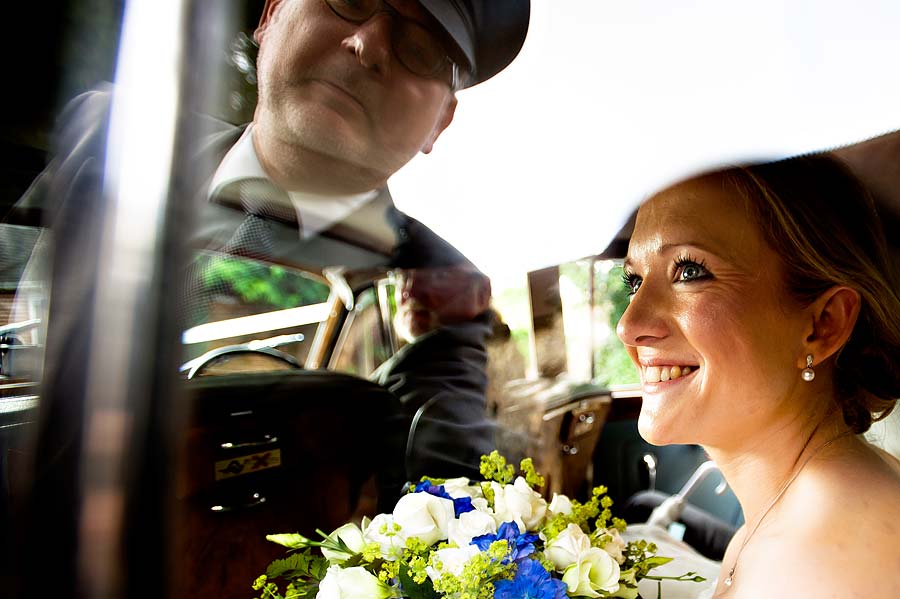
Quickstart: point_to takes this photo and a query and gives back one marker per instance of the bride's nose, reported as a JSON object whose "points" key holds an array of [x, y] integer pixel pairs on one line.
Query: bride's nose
{"points": [[644, 321]]}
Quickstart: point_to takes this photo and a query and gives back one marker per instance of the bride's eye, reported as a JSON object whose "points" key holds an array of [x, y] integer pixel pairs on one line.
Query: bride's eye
{"points": [[688, 269], [632, 282]]}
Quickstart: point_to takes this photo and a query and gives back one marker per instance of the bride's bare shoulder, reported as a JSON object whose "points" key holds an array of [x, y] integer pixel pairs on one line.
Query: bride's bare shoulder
{"points": [[864, 483], [852, 493], [837, 534], [850, 557]]}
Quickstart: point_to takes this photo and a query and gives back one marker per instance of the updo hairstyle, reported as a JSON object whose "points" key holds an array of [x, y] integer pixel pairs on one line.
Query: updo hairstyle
{"points": [[824, 224]]}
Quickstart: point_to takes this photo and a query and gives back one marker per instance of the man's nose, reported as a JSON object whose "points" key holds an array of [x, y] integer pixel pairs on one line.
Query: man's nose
{"points": [[371, 43], [646, 319]]}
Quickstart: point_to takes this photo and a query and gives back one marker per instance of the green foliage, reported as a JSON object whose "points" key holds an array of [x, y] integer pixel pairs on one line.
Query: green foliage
{"points": [[296, 565], [531, 476], [415, 586], [613, 366], [302, 570], [270, 286], [641, 556], [596, 510], [494, 467], [478, 575]]}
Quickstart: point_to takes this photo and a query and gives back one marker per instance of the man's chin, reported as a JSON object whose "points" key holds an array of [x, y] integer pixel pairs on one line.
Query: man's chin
{"points": [[330, 144]]}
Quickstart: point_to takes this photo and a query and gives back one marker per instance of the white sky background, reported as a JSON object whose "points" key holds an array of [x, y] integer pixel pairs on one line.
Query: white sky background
{"points": [[611, 100]]}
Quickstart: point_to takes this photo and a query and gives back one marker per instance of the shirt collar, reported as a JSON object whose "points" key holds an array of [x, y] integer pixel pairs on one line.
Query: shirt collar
{"points": [[316, 212]]}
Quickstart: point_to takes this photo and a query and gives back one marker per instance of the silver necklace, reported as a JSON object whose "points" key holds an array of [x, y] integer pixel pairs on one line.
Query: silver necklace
{"points": [[730, 579]]}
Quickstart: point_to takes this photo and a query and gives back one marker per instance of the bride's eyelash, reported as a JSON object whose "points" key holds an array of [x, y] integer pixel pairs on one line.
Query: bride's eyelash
{"points": [[683, 259], [631, 281], [687, 260]]}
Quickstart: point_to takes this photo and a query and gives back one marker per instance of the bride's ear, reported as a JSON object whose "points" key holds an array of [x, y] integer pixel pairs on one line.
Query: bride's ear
{"points": [[834, 315]]}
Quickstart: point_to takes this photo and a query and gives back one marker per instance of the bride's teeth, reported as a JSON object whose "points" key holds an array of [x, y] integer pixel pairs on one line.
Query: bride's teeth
{"points": [[656, 374]]}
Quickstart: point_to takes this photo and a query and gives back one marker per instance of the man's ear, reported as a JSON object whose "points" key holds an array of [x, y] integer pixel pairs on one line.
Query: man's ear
{"points": [[442, 123], [268, 11], [834, 316]]}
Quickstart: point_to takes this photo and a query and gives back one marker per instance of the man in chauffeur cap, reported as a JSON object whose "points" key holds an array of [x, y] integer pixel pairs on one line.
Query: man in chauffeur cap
{"points": [[349, 92]]}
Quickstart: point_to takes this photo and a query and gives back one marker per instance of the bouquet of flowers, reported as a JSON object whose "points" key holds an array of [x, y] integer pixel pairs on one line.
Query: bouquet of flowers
{"points": [[497, 539]]}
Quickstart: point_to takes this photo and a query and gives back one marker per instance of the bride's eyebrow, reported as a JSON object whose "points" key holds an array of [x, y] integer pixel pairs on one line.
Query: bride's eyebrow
{"points": [[667, 247], [674, 246]]}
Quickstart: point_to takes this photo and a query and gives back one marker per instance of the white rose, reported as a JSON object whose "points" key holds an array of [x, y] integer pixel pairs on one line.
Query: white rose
{"points": [[481, 504], [568, 547], [595, 571], [424, 516], [384, 531], [470, 525], [615, 546], [520, 504], [451, 560], [560, 504], [351, 583], [352, 537], [460, 487]]}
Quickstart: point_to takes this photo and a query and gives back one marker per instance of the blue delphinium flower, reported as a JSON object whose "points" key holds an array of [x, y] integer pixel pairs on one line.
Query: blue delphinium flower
{"points": [[532, 581], [520, 545], [461, 505]]}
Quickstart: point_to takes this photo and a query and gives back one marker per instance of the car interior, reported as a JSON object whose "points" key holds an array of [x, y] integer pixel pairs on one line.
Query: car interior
{"points": [[148, 444]]}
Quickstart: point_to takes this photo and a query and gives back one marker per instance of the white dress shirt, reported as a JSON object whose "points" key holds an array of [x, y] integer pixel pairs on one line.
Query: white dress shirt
{"points": [[316, 212]]}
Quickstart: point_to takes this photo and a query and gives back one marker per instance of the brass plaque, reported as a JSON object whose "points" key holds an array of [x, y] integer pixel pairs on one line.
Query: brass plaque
{"points": [[248, 464]]}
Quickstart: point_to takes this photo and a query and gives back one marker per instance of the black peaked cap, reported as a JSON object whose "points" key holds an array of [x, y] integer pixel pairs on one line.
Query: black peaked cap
{"points": [[489, 33]]}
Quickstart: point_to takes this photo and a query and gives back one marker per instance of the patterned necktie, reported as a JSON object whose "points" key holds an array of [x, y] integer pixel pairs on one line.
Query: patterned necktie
{"points": [[263, 203]]}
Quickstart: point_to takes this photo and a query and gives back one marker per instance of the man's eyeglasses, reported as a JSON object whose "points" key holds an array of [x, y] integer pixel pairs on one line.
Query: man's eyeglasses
{"points": [[417, 48]]}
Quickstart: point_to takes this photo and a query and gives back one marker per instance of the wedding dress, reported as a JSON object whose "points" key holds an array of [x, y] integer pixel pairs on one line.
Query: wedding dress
{"points": [[686, 559]]}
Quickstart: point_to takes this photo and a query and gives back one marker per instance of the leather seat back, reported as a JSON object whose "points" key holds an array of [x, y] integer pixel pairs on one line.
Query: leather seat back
{"points": [[275, 452]]}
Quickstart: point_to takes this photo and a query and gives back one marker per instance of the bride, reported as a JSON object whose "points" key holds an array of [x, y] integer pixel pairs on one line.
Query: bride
{"points": [[765, 321]]}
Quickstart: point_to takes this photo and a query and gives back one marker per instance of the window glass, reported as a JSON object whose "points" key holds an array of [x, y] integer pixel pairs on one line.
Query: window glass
{"points": [[234, 300], [612, 366], [589, 322], [364, 344], [73, 51]]}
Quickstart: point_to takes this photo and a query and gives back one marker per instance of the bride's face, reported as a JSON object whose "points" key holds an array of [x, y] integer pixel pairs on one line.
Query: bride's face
{"points": [[708, 300]]}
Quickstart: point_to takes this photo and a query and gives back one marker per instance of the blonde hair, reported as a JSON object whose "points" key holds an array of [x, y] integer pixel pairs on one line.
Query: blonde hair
{"points": [[825, 226]]}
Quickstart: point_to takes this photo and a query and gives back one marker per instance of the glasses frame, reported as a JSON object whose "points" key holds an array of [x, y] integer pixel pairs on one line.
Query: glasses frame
{"points": [[383, 7]]}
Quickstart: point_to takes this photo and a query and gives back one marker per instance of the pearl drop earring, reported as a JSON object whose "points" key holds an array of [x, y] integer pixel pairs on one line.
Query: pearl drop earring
{"points": [[808, 374]]}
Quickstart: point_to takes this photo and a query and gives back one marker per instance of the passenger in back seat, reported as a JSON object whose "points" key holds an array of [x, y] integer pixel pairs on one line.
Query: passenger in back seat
{"points": [[764, 322]]}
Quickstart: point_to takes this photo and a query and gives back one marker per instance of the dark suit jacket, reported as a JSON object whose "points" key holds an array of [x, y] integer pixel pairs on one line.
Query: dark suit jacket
{"points": [[441, 382]]}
